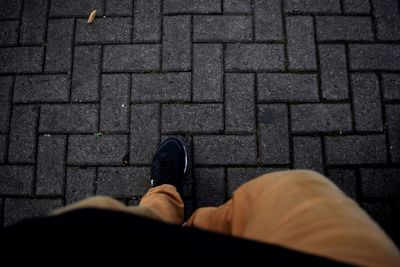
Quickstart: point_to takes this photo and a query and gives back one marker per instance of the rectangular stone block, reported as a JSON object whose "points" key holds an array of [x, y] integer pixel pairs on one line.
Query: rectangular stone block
{"points": [[97, 149], [114, 113], [222, 28], [6, 85], [104, 30], [354, 149], [239, 103], [16, 209], [192, 118], [161, 87], [210, 187], [366, 101], [308, 118], [176, 43], [268, 20], [312, 6], [393, 129], [344, 28], [332, 61], [147, 21], [387, 17], [300, 43], [3, 147], [9, 32], [69, 118], [380, 182], [79, 183], [86, 74], [307, 153], [144, 132], [16, 179], [123, 181], [41, 88], [225, 149], [356, 6], [192, 6], [374, 57], [73, 8], [237, 6], [391, 86], [21, 59], [10, 9], [50, 172], [22, 142], [128, 58], [207, 72], [59, 45], [345, 179], [33, 22], [254, 57], [287, 87], [273, 134]]}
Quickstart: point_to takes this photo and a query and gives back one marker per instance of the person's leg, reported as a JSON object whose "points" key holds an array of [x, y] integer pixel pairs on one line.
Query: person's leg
{"points": [[301, 210]]}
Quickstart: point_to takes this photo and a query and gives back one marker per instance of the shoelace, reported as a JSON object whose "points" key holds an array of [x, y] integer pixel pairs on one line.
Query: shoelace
{"points": [[164, 168]]}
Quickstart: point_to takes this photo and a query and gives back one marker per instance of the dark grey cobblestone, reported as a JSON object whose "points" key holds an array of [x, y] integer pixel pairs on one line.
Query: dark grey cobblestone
{"points": [[119, 7], [237, 6], [312, 6], [380, 183], [9, 32], [210, 186], [3, 148], [79, 183], [75, 7], [346, 28], [33, 22], [192, 6], [16, 180], [393, 128], [21, 59], [387, 17], [307, 153], [147, 21], [6, 85], [268, 25], [391, 86], [356, 6], [374, 57], [10, 9], [345, 179]]}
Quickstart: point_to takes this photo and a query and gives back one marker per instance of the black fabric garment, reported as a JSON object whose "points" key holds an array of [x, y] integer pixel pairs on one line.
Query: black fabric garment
{"points": [[114, 238]]}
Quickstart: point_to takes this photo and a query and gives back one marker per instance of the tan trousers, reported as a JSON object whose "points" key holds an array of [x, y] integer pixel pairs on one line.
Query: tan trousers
{"points": [[300, 210]]}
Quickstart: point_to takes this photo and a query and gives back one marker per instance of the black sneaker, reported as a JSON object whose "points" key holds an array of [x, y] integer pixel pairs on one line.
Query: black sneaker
{"points": [[169, 163]]}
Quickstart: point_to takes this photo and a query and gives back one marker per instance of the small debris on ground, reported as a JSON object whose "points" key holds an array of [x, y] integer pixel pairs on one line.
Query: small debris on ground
{"points": [[92, 16]]}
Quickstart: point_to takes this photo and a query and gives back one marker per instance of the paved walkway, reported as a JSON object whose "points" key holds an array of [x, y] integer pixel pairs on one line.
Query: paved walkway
{"points": [[253, 86]]}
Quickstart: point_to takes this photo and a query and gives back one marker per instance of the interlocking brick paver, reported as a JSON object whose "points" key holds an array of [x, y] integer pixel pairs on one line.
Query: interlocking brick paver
{"points": [[161, 87], [237, 6], [114, 104], [176, 43], [380, 182], [104, 30], [59, 45], [41, 88], [207, 72], [254, 57], [225, 149], [391, 86], [86, 73], [366, 102], [79, 183], [192, 6], [344, 28], [312, 6], [97, 149], [22, 142], [321, 118], [119, 7], [144, 132], [123, 181], [374, 56], [393, 128], [147, 20], [33, 22], [345, 179], [355, 149], [300, 43], [68, 118], [307, 153], [75, 7], [16, 180], [287, 87], [3, 147], [210, 186], [21, 59], [128, 58], [9, 32], [356, 6], [10, 9], [192, 118], [6, 85], [222, 28], [334, 82], [387, 16], [239, 103], [273, 134], [16, 209], [50, 171], [268, 22]]}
